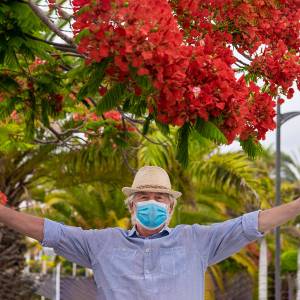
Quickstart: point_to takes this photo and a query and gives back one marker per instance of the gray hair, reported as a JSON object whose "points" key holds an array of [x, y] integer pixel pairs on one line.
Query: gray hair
{"points": [[129, 201]]}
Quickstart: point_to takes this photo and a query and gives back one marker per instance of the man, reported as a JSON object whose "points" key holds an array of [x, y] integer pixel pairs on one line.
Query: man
{"points": [[150, 261]]}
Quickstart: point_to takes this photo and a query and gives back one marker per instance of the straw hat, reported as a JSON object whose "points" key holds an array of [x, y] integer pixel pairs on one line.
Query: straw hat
{"points": [[151, 179]]}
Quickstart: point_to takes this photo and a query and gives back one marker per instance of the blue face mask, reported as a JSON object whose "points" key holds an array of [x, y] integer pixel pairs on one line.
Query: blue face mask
{"points": [[151, 214]]}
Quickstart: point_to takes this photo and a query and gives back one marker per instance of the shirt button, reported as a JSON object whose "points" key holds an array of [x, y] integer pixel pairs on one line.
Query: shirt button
{"points": [[147, 271], [147, 250]]}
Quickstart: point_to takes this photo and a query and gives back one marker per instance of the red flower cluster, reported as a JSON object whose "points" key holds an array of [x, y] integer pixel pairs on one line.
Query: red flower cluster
{"points": [[114, 115], [279, 68], [186, 55], [85, 117], [110, 115], [246, 24], [3, 198], [117, 117]]}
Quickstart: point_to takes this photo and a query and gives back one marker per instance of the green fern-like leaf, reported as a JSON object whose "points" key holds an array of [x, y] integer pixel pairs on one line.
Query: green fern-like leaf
{"points": [[146, 124], [142, 81], [251, 147], [7, 83], [210, 131], [96, 76], [44, 113], [164, 128], [182, 154], [7, 107], [29, 129], [112, 98], [136, 105]]}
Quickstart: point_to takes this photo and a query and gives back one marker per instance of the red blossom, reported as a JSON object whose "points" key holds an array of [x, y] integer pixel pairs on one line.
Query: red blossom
{"points": [[114, 115], [3, 198], [51, 4], [102, 90]]}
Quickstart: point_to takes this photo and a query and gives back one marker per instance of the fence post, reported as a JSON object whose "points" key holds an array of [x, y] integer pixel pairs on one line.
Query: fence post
{"points": [[57, 281], [263, 271]]}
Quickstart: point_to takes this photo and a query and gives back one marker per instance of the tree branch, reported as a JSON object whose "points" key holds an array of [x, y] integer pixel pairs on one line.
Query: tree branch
{"points": [[125, 159], [241, 62], [67, 49], [131, 119], [49, 23], [140, 132], [67, 46]]}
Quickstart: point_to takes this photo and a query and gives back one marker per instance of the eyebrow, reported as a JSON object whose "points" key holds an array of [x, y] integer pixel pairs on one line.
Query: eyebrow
{"points": [[145, 194]]}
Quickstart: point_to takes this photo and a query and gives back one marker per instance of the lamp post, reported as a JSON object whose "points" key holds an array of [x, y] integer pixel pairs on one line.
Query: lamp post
{"points": [[281, 119]]}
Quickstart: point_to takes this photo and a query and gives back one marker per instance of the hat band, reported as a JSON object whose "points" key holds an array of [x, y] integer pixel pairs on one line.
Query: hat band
{"points": [[151, 186]]}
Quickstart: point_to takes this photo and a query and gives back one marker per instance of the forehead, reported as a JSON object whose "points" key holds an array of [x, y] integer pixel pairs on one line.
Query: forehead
{"points": [[151, 194]]}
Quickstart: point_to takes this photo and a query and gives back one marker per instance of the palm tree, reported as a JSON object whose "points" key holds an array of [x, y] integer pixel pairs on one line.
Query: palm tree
{"points": [[16, 172], [94, 205], [83, 188], [32, 174]]}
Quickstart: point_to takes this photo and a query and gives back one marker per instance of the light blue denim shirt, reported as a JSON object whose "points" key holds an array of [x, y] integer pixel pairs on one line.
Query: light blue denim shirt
{"points": [[168, 265]]}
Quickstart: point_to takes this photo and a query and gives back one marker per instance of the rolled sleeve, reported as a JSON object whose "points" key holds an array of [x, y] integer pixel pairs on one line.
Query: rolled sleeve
{"points": [[250, 225], [227, 238], [51, 233]]}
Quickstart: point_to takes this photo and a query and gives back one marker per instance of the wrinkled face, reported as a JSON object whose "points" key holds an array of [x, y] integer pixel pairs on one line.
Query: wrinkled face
{"points": [[144, 196]]}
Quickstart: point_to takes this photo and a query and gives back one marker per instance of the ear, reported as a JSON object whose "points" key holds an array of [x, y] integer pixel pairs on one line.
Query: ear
{"points": [[131, 206]]}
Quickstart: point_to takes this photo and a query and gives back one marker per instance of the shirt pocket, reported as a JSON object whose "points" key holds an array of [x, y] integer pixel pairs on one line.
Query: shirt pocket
{"points": [[122, 261], [173, 260], [116, 268]]}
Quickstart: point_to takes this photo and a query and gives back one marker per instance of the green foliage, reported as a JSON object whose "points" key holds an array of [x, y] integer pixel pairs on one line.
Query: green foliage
{"points": [[210, 131], [88, 206], [136, 105], [147, 124], [112, 98], [17, 24], [11, 139], [183, 144], [251, 147], [289, 261], [95, 75], [142, 81], [164, 128], [231, 266]]}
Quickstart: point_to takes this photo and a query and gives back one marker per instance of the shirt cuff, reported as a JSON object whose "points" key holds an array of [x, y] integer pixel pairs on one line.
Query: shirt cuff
{"points": [[250, 225], [52, 232]]}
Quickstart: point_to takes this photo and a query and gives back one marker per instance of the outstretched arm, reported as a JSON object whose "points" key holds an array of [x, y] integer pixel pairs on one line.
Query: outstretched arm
{"points": [[71, 242], [24, 223], [276, 216]]}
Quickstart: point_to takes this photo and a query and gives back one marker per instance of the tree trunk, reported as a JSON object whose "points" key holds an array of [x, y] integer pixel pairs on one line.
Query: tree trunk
{"points": [[298, 275], [14, 284]]}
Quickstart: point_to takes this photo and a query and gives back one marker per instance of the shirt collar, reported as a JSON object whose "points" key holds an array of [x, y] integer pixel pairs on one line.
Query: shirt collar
{"points": [[133, 231]]}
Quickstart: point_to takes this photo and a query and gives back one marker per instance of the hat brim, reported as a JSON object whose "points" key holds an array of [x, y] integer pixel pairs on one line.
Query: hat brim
{"points": [[129, 191]]}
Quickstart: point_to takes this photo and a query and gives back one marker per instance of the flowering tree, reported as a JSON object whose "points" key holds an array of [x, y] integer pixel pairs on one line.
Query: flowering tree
{"points": [[211, 66]]}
